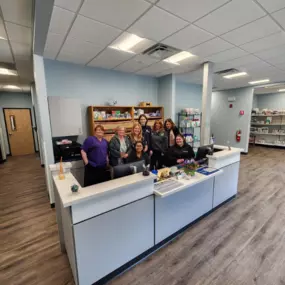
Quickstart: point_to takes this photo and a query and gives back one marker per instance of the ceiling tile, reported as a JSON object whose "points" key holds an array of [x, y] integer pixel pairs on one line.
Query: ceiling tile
{"points": [[276, 60], [152, 1], [188, 37], [271, 52], [22, 51], [250, 32], [157, 24], [92, 31], [136, 63], [80, 48], [190, 10], [279, 16], [2, 30], [211, 47], [231, 16], [73, 58], [272, 5], [19, 34], [71, 5], [119, 13], [18, 11], [227, 55], [61, 21], [110, 58], [156, 68], [265, 43], [5, 52], [53, 45]]}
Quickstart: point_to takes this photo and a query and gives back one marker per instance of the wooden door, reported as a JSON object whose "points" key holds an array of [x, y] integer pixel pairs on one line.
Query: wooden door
{"points": [[20, 132]]}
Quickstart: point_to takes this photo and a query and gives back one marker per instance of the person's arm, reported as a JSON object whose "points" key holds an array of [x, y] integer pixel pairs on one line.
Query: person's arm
{"points": [[170, 158], [146, 159], [113, 150], [84, 157], [191, 153]]}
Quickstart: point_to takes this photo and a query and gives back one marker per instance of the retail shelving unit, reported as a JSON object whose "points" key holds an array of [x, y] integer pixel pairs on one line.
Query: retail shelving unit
{"points": [[263, 132], [188, 128], [113, 116]]}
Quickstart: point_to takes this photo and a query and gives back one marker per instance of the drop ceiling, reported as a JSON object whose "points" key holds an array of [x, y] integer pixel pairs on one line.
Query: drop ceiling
{"points": [[248, 35], [16, 22]]}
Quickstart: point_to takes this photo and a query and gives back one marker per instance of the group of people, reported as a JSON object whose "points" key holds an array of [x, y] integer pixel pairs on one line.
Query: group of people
{"points": [[157, 146]]}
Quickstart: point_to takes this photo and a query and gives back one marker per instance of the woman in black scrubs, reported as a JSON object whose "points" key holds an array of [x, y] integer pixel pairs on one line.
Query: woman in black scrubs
{"points": [[138, 154], [146, 130], [180, 152]]}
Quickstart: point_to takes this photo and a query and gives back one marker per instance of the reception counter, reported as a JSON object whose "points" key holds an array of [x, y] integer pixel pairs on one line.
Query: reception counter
{"points": [[108, 227]]}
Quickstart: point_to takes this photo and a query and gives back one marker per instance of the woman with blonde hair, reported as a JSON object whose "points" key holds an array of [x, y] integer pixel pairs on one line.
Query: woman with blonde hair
{"points": [[137, 136], [120, 147], [159, 144]]}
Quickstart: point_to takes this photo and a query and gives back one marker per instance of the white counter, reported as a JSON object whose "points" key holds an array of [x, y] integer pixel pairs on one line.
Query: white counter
{"points": [[106, 228]]}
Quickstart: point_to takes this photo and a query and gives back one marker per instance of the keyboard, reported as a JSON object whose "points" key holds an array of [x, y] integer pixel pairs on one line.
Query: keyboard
{"points": [[167, 185]]}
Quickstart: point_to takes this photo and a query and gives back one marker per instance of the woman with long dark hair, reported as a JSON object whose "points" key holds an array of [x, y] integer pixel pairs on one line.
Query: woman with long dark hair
{"points": [[146, 130], [172, 131]]}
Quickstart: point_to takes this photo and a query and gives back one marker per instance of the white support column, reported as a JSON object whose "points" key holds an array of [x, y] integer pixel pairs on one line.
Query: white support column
{"points": [[206, 103]]}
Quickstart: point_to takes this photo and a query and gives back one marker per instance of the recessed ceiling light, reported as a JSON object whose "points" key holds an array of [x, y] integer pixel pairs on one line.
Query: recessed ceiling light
{"points": [[127, 43], [5, 71], [233, 75], [281, 90], [178, 57], [259, 81], [12, 87]]}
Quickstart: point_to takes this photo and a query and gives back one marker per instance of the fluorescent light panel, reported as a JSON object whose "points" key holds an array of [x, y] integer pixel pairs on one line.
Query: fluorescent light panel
{"points": [[2, 38], [178, 57], [128, 43], [12, 87], [233, 75], [281, 90], [5, 71], [259, 81]]}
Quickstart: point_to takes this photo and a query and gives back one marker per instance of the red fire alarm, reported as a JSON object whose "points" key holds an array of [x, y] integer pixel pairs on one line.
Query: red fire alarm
{"points": [[241, 112], [231, 105]]}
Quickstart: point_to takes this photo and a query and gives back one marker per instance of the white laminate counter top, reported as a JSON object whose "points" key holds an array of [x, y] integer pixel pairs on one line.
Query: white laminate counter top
{"points": [[69, 198], [225, 152], [198, 178]]}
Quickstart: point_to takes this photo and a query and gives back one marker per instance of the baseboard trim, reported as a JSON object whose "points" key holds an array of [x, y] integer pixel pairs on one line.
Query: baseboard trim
{"points": [[161, 244]]}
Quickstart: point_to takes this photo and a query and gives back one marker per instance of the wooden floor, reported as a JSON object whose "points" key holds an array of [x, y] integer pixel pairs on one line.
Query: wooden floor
{"points": [[242, 243]]}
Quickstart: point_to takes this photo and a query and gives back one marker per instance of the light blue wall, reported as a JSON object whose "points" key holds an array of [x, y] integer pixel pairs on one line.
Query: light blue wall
{"points": [[14, 100], [94, 86], [226, 121], [254, 102], [97, 86], [166, 95], [271, 101], [188, 96]]}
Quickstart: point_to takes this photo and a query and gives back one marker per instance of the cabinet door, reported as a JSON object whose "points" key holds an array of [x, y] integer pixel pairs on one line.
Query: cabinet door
{"points": [[226, 184], [65, 116], [108, 241]]}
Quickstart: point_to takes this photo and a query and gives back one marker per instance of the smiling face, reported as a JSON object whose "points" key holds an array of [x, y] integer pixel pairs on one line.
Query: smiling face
{"points": [[137, 130], [168, 125], [179, 141], [157, 126], [99, 132], [139, 147], [142, 121], [121, 132]]}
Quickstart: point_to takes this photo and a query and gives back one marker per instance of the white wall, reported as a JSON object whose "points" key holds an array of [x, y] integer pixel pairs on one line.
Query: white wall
{"points": [[94, 86], [15, 100], [226, 121], [271, 101], [166, 95]]}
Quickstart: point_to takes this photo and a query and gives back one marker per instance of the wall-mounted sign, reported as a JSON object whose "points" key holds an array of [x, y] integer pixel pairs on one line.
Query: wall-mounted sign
{"points": [[231, 99]]}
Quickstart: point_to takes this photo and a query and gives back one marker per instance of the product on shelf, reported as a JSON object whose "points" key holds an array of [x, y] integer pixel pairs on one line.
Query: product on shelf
{"points": [[190, 111], [115, 114]]}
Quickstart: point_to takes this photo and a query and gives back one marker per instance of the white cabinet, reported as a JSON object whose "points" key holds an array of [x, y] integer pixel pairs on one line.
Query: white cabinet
{"points": [[65, 116]]}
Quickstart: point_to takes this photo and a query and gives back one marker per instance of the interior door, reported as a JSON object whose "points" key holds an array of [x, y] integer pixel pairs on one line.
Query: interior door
{"points": [[20, 132]]}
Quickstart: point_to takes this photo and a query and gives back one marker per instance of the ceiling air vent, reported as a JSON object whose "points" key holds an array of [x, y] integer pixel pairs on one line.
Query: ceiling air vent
{"points": [[227, 71], [160, 51]]}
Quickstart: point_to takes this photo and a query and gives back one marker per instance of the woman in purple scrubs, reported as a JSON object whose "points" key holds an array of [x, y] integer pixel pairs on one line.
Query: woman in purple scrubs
{"points": [[94, 153]]}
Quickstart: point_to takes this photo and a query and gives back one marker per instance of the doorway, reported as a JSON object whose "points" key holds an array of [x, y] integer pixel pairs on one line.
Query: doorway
{"points": [[19, 131]]}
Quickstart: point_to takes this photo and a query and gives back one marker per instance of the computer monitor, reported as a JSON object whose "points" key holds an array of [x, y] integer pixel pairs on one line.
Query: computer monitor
{"points": [[128, 169], [203, 151]]}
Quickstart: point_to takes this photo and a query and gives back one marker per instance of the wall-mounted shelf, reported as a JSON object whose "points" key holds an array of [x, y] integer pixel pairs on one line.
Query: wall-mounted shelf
{"points": [[111, 123], [268, 134], [270, 144], [256, 124], [277, 115]]}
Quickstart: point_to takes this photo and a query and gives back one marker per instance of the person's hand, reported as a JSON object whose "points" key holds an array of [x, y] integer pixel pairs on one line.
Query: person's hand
{"points": [[126, 155], [122, 154], [86, 162], [150, 152], [181, 160]]}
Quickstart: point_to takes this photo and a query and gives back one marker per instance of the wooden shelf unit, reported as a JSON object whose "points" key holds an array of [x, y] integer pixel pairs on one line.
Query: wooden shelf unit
{"points": [[110, 125]]}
